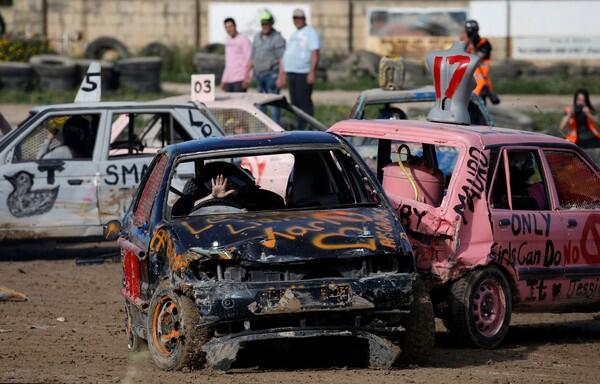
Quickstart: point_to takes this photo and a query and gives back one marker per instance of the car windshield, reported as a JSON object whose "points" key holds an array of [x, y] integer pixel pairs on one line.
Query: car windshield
{"points": [[274, 181]]}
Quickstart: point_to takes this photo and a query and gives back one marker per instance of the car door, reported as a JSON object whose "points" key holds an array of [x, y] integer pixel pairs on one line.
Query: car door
{"points": [[49, 177], [577, 185], [525, 225], [133, 137]]}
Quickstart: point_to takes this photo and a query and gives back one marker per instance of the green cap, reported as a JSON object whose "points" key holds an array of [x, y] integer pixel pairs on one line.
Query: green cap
{"points": [[266, 16]]}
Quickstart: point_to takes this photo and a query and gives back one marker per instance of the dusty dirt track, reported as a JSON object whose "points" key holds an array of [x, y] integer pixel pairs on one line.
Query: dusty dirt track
{"points": [[89, 346]]}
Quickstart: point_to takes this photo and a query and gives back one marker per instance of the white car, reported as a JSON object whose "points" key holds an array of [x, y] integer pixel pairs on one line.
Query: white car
{"points": [[254, 112], [70, 186]]}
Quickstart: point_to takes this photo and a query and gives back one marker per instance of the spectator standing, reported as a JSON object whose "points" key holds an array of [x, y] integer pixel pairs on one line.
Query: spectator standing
{"points": [[581, 121], [237, 57], [299, 64], [267, 50]]}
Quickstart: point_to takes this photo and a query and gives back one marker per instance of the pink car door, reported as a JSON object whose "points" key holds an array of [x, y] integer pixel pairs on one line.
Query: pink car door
{"points": [[577, 186], [524, 224]]}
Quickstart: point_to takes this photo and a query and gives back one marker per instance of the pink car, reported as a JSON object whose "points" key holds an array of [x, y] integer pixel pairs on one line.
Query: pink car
{"points": [[500, 220]]}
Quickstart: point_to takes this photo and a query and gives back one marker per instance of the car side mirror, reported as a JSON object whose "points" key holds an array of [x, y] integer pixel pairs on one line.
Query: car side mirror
{"points": [[112, 230]]}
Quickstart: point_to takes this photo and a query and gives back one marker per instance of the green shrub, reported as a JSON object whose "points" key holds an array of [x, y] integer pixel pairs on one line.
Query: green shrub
{"points": [[21, 49]]}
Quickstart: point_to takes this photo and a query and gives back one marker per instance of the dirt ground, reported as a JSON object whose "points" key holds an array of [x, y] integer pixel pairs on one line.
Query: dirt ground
{"points": [[90, 345]]}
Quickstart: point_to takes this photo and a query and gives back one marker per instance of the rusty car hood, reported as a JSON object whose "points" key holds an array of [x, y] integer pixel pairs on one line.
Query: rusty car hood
{"points": [[291, 236]]}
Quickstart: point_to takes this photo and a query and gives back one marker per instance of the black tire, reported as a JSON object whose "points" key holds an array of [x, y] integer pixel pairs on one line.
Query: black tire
{"points": [[141, 74], [98, 48], [210, 63], [417, 342], [55, 72], [2, 26], [185, 349], [468, 315], [156, 49], [134, 342], [16, 76]]}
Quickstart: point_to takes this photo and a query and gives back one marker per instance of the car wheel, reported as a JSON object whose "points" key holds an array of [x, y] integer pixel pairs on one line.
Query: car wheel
{"points": [[417, 342], [174, 338], [134, 342], [480, 308]]}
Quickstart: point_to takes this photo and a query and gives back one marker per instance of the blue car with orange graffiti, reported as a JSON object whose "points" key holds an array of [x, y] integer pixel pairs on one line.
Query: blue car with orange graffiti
{"points": [[213, 261]]}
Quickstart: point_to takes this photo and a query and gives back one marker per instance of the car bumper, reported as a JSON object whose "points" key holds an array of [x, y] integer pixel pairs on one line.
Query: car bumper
{"points": [[228, 300], [221, 352]]}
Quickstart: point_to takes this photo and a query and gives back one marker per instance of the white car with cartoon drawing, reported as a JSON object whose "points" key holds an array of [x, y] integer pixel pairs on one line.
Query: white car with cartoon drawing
{"points": [[68, 169]]}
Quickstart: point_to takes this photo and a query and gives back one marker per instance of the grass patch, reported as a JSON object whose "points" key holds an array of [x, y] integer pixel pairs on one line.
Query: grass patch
{"points": [[554, 85], [178, 65], [546, 122], [329, 114], [353, 84], [54, 97]]}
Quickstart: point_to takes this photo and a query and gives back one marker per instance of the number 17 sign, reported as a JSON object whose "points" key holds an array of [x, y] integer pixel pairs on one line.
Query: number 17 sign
{"points": [[452, 72], [203, 88]]}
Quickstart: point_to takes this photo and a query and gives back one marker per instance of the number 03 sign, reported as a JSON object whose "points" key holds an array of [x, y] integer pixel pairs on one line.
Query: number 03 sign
{"points": [[203, 88]]}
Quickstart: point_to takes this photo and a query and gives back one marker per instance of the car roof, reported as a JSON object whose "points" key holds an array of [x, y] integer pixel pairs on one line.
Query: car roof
{"points": [[470, 134], [378, 95], [252, 140], [111, 104], [232, 99]]}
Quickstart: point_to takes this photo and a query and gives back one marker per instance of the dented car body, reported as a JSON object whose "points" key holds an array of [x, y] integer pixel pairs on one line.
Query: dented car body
{"points": [[499, 219], [324, 256]]}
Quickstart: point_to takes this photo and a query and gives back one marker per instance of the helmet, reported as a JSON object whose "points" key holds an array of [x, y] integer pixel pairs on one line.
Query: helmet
{"points": [[471, 27]]}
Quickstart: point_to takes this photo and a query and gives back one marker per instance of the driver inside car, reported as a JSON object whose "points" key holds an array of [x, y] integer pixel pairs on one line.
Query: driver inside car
{"points": [[219, 196], [223, 187]]}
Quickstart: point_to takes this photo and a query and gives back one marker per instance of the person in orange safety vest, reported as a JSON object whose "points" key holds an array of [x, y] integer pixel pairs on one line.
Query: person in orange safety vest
{"points": [[581, 121], [480, 46]]}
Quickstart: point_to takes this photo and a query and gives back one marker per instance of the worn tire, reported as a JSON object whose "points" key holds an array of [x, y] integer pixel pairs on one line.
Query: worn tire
{"points": [[2, 26], [417, 342], [134, 342], [471, 298], [55, 72], [186, 348], [209, 63], [156, 49], [141, 74], [98, 48], [15, 76]]}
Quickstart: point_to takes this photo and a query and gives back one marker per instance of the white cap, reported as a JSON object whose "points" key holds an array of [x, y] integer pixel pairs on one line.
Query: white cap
{"points": [[299, 13]]}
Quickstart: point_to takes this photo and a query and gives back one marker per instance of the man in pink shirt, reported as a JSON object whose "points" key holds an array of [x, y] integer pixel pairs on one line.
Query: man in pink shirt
{"points": [[237, 56]]}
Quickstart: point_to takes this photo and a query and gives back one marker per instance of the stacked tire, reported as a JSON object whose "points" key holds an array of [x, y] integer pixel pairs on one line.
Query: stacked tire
{"points": [[16, 76], [141, 74], [210, 63], [54, 72]]}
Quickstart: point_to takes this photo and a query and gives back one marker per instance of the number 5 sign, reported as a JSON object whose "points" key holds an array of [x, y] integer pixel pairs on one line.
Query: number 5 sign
{"points": [[203, 88], [452, 72]]}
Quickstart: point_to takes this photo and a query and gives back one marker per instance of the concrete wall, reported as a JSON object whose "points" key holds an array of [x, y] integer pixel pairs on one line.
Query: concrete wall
{"points": [[73, 23], [343, 24]]}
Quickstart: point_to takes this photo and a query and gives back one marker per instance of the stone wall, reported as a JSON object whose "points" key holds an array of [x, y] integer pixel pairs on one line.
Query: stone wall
{"points": [[71, 24]]}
